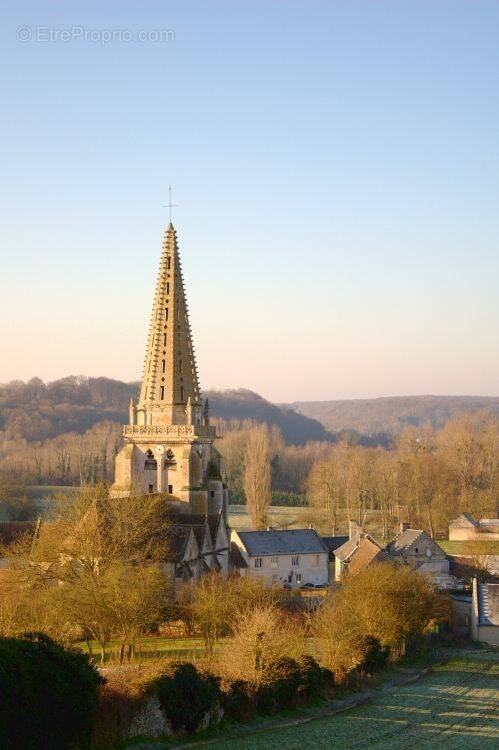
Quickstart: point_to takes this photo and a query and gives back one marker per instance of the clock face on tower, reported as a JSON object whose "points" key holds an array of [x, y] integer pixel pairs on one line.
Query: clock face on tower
{"points": [[159, 449]]}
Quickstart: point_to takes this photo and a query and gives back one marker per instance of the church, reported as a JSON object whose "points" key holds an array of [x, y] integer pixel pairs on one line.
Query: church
{"points": [[169, 441]]}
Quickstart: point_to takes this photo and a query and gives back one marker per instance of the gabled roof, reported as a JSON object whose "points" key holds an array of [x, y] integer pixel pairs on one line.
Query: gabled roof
{"points": [[236, 556], [404, 540], [178, 536], [286, 542], [464, 517], [346, 549], [367, 551], [333, 543]]}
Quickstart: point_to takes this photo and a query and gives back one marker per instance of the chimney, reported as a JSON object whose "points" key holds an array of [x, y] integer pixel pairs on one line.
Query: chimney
{"points": [[403, 527], [353, 529]]}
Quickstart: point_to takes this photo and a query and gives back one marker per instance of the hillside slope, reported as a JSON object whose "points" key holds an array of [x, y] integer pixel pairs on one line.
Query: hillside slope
{"points": [[36, 410], [242, 404], [392, 414]]}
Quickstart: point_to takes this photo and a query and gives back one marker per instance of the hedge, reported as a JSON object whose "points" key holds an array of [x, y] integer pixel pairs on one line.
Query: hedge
{"points": [[48, 694]]}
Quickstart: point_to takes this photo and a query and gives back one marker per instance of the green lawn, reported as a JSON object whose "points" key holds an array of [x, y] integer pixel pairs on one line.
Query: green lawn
{"points": [[455, 707], [469, 547], [153, 647]]}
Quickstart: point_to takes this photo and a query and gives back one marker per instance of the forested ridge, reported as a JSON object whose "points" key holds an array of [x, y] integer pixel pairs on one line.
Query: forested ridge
{"points": [[36, 411], [391, 415]]}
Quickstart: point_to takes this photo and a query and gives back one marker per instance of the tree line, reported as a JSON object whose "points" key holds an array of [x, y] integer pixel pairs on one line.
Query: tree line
{"points": [[427, 479]]}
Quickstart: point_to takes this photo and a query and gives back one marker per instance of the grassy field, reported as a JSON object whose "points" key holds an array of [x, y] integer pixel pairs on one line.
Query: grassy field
{"points": [[469, 547], [281, 516], [152, 648], [455, 707]]}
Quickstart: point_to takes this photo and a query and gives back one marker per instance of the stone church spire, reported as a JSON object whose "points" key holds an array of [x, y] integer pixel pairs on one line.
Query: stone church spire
{"points": [[169, 380]]}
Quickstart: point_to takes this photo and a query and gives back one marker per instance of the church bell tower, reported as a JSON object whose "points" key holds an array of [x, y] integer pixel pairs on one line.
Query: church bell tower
{"points": [[169, 439]]}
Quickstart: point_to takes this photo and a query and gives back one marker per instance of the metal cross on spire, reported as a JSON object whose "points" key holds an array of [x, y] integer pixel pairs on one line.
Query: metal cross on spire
{"points": [[170, 205]]}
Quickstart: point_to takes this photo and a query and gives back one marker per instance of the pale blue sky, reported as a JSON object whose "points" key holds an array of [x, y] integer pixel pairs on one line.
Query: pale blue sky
{"points": [[337, 170]]}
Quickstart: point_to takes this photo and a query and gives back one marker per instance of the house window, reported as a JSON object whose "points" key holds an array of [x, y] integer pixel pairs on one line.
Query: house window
{"points": [[151, 488], [258, 562], [273, 562], [295, 561], [212, 493], [298, 577]]}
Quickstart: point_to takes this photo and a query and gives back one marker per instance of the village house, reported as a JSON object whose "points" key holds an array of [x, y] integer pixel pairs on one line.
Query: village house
{"points": [[465, 527], [415, 548], [293, 557], [360, 550], [411, 547], [333, 543]]}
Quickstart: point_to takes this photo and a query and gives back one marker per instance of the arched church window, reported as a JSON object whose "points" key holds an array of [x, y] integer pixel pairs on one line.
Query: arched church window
{"points": [[150, 462]]}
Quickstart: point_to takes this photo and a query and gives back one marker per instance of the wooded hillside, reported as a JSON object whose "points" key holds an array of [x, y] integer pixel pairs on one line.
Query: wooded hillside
{"points": [[35, 410], [391, 415]]}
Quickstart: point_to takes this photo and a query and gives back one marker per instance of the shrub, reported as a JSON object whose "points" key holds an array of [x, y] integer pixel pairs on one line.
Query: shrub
{"points": [[281, 681], [186, 696], [375, 656], [240, 700], [314, 680], [48, 694]]}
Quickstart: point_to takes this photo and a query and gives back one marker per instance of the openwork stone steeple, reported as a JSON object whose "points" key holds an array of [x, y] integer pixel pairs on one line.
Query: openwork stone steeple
{"points": [[170, 387], [168, 443]]}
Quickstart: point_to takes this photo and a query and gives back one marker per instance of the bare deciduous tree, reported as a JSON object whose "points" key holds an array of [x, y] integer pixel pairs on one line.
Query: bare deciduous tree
{"points": [[257, 476]]}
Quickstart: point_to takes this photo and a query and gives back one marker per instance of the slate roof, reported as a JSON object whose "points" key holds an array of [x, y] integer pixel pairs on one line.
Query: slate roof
{"points": [[286, 542], [333, 543], [344, 552], [196, 519], [404, 540], [177, 542]]}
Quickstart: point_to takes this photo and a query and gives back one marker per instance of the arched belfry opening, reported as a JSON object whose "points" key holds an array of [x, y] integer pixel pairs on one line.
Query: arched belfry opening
{"points": [[150, 462]]}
